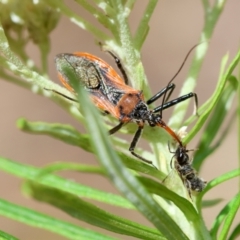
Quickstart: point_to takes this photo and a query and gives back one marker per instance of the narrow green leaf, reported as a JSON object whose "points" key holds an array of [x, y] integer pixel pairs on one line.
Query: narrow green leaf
{"points": [[225, 217], [107, 19], [39, 220], [215, 97], [159, 189], [78, 20], [223, 178], [65, 133], [143, 27], [6, 51], [211, 203], [72, 136], [102, 18], [233, 207], [217, 181], [89, 213], [151, 185], [6, 236], [33, 173], [216, 120], [61, 166], [235, 233]]}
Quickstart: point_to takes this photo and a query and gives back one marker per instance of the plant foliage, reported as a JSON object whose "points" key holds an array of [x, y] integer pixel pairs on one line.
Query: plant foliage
{"points": [[173, 215]]}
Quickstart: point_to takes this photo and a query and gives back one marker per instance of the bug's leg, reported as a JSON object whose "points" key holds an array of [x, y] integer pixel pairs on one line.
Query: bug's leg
{"points": [[120, 66], [116, 128], [178, 100], [159, 94], [134, 143]]}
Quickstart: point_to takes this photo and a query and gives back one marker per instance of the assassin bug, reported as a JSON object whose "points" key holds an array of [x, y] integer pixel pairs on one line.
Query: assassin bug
{"points": [[112, 94]]}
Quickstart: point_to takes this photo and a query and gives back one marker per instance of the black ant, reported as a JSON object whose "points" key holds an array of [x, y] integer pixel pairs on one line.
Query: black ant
{"points": [[182, 164]]}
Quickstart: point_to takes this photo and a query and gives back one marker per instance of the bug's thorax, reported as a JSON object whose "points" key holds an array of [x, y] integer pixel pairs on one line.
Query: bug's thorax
{"points": [[132, 107]]}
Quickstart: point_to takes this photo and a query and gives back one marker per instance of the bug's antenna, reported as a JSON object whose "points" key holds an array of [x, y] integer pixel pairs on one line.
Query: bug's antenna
{"points": [[61, 94], [178, 71]]}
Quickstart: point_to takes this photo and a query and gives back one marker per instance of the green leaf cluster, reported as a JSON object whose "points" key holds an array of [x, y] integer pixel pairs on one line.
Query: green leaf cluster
{"points": [[173, 214]]}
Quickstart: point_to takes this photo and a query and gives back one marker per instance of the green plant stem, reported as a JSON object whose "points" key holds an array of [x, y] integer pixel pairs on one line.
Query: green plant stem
{"points": [[131, 58], [131, 55], [101, 36], [102, 18], [107, 9], [15, 80], [44, 49], [15, 46], [205, 4], [129, 5]]}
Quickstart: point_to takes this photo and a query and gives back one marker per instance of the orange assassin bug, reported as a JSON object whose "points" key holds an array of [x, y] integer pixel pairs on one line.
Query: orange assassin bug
{"points": [[112, 94]]}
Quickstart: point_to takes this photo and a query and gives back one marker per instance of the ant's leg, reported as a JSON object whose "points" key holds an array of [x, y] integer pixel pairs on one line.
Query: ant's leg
{"points": [[188, 187], [163, 181], [172, 156], [170, 149], [119, 65], [134, 143], [178, 100], [170, 87], [116, 128]]}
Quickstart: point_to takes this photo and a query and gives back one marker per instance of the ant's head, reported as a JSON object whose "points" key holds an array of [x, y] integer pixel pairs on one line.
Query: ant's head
{"points": [[181, 155]]}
